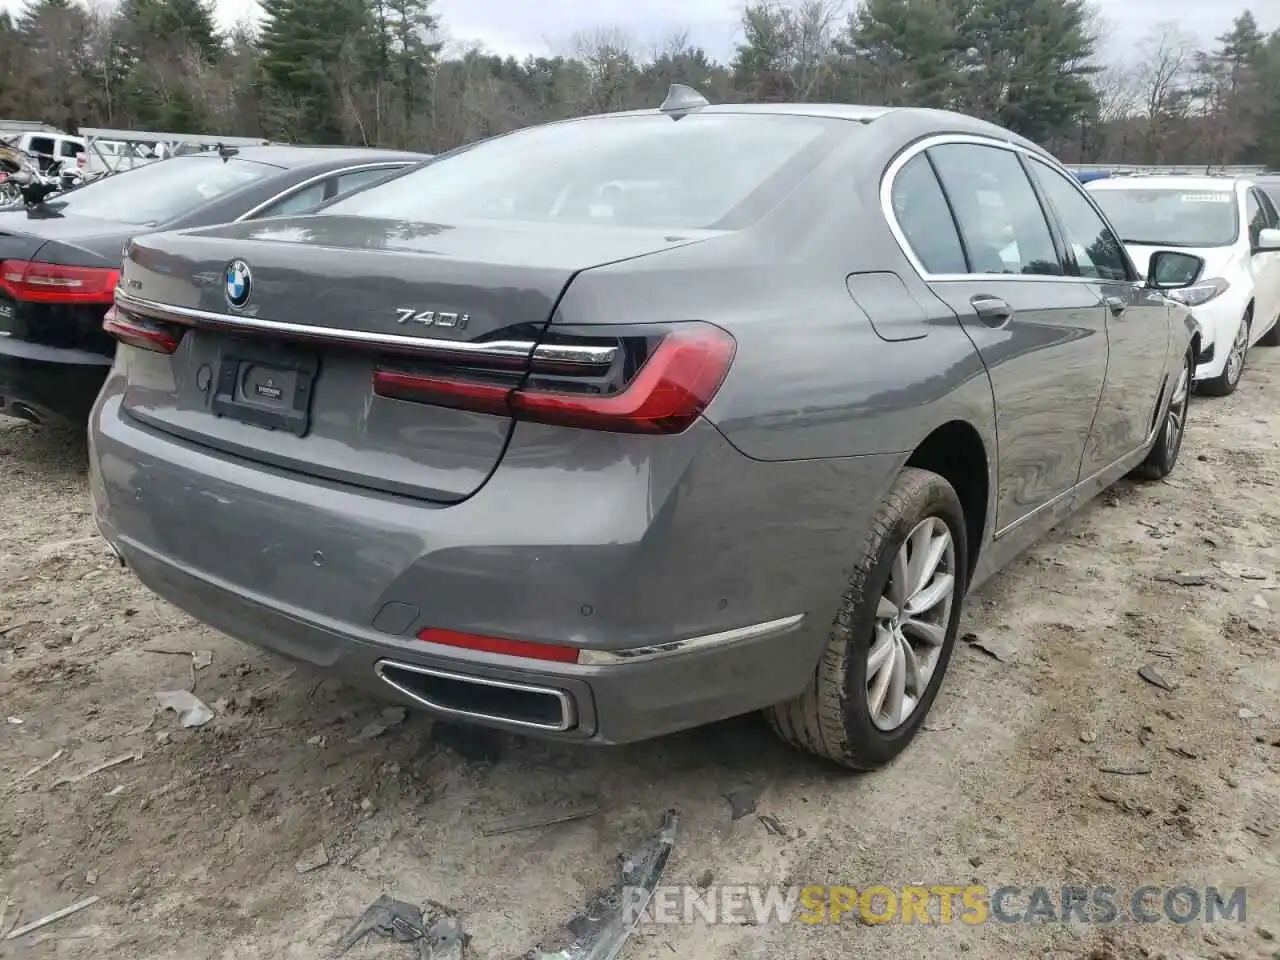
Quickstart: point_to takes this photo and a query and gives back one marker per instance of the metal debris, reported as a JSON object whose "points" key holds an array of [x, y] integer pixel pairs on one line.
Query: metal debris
{"points": [[742, 800], [992, 650], [1148, 673], [191, 710], [1126, 771], [531, 821], [51, 918], [601, 931], [404, 923]]}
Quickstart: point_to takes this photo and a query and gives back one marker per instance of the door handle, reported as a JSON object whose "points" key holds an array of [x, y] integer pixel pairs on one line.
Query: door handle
{"points": [[1116, 305], [992, 311]]}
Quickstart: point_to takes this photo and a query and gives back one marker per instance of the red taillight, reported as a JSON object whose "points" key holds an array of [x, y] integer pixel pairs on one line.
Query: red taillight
{"points": [[512, 648], [665, 395], [141, 333], [35, 282]]}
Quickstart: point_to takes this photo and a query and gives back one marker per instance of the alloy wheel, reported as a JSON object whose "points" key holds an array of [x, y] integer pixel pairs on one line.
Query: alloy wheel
{"points": [[1235, 359], [911, 623], [1177, 416]]}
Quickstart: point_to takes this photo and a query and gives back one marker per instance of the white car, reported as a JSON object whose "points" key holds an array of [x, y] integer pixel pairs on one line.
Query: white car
{"points": [[1235, 227]]}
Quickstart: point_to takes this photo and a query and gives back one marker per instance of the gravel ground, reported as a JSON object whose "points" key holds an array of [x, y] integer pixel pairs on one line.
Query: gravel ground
{"points": [[193, 843]]}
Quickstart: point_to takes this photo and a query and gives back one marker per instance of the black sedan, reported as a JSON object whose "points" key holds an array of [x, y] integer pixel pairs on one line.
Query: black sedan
{"points": [[59, 260]]}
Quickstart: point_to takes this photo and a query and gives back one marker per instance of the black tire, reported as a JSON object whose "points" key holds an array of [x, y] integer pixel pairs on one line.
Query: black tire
{"points": [[1225, 383], [1163, 456], [1272, 337], [832, 717]]}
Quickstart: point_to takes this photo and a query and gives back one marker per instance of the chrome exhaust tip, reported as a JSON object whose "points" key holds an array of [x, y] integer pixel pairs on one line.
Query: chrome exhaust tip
{"points": [[481, 699]]}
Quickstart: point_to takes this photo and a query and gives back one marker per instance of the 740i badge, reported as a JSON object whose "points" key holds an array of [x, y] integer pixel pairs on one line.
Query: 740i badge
{"points": [[432, 318]]}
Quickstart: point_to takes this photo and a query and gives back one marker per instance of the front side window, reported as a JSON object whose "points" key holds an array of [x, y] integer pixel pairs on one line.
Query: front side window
{"points": [[630, 171], [1170, 216], [1003, 226], [922, 212], [157, 193], [1098, 252]]}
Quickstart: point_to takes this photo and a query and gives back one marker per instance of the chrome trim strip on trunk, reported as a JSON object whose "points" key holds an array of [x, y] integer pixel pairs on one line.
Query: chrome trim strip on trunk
{"points": [[737, 635], [568, 713], [506, 349]]}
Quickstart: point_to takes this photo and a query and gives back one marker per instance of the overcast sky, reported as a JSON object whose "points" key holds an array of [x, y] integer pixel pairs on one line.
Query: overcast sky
{"points": [[521, 27]]}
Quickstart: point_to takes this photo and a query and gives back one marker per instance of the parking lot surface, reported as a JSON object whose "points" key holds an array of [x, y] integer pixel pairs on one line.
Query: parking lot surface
{"points": [[1048, 760]]}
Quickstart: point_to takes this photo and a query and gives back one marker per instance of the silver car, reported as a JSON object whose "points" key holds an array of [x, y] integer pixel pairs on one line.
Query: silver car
{"points": [[612, 427]]}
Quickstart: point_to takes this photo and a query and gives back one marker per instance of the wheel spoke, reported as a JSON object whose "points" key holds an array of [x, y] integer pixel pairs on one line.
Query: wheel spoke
{"points": [[881, 651], [878, 689], [930, 633], [897, 686], [915, 682], [886, 609], [928, 598], [899, 581]]}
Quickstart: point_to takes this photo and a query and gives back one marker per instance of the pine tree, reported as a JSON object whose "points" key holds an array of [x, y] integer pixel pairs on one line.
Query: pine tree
{"points": [[910, 52], [314, 54]]}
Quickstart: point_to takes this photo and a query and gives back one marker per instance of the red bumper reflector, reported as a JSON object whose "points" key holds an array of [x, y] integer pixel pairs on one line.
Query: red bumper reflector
{"points": [[511, 648]]}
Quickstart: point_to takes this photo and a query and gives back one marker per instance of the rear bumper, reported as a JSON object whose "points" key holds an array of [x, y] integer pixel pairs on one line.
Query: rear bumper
{"points": [[49, 384], [699, 542]]}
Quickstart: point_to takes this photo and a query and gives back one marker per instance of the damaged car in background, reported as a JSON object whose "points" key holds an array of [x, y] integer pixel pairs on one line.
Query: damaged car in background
{"points": [[607, 428]]}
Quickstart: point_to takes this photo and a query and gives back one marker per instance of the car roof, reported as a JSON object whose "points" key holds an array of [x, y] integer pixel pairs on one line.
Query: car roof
{"points": [[910, 122], [1163, 182], [291, 157]]}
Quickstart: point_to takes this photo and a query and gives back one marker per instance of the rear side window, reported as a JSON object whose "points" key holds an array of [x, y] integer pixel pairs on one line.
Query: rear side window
{"points": [[360, 178], [1097, 250], [921, 210], [41, 145], [631, 171], [156, 193], [1004, 229], [308, 198]]}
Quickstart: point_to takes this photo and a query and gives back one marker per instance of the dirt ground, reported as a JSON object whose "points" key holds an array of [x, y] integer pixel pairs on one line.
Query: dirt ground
{"points": [[193, 843]]}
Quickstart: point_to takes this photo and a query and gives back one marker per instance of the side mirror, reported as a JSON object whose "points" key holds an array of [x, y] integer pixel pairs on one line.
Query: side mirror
{"points": [[1268, 241], [1173, 270]]}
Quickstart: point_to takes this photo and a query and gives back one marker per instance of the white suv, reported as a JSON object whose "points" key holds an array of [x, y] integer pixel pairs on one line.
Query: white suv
{"points": [[1235, 227]]}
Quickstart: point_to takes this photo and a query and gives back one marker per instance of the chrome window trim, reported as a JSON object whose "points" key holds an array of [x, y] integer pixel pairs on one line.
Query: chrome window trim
{"points": [[920, 146], [512, 349], [319, 177]]}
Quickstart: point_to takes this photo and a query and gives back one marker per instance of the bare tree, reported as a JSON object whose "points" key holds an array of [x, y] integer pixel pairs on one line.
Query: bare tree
{"points": [[1164, 73]]}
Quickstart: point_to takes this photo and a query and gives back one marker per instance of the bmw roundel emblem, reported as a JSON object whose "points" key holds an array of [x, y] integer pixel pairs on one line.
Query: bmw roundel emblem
{"points": [[237, 283]]}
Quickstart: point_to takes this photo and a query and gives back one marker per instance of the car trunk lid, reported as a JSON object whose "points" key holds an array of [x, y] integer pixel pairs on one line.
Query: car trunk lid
{"points": [[284, 323]]}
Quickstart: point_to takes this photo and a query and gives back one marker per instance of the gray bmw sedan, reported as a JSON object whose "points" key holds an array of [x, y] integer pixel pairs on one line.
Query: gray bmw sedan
{"points": [[611, 427]]}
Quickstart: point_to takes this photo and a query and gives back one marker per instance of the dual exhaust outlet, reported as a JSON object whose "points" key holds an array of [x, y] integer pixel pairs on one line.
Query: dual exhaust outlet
{"points": [[482, 699]]}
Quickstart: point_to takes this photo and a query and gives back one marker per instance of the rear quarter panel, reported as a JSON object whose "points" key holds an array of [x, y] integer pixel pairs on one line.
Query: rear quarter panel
{"points": [[812, 378]]}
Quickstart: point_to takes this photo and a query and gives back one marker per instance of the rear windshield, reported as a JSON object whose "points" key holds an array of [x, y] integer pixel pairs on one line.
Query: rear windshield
{"points": [[636, 171], [160, 192], [1171, 218]]}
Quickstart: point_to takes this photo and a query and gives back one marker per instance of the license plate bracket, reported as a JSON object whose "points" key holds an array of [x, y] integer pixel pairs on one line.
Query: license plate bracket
{"points": [[266, 387]]}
